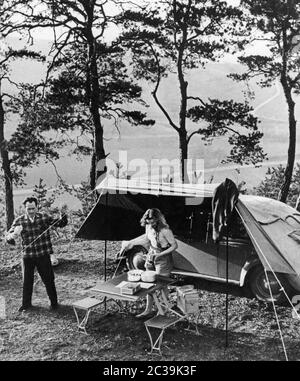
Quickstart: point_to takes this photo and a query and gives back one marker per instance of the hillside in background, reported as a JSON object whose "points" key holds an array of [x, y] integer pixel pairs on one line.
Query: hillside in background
{"points": [[161, 141]]}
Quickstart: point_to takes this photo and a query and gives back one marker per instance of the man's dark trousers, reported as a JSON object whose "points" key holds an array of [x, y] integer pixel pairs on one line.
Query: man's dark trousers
{"points": [[44, 268]]}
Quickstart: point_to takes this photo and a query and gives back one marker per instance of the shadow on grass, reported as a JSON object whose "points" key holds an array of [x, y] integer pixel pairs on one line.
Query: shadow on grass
{"points": [[123, 336], [88, 267], [128, 335]]}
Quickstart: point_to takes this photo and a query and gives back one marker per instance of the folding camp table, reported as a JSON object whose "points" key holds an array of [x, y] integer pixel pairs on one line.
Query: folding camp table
{"points": [[111, 290], [167, 316]]}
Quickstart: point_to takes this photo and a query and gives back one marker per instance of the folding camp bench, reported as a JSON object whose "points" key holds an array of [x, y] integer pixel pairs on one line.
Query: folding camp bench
{"points": [[185, 308], [87, 304], [160, 323]]}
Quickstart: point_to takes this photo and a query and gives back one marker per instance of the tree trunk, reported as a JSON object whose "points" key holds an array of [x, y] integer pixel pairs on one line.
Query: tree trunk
{"points": [[99, 152], [183, 157], [93, 171], [8, 181], [288, 173], [94, 90], [183, 142]]}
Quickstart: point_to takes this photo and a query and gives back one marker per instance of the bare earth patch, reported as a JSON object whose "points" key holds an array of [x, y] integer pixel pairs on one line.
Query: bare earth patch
{"points": [[41, 334]]}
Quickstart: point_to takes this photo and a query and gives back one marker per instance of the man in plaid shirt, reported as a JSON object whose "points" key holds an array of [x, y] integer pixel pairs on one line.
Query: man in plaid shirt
{"points": [[34, 228]]}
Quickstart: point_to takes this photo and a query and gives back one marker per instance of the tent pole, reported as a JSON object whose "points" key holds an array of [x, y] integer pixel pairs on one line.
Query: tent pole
{"points": [[105, 245], [105, 256], [227, 294]]}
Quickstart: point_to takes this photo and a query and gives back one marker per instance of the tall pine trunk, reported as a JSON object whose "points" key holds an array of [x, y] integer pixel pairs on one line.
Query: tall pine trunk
{"points": [[94, 93], [8, 180], [288, 173], [183, 142], [183, 156]]}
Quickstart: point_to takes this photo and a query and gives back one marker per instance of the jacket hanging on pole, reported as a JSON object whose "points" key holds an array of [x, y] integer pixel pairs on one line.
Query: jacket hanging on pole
{"points": [[224, 200]]}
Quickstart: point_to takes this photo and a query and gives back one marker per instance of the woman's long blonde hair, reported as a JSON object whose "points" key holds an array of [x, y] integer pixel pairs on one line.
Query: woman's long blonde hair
{"points": [[159, 218]]}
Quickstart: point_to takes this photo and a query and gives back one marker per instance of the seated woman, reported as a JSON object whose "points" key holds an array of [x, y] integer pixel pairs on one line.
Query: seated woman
{"points": [[160, 240]]}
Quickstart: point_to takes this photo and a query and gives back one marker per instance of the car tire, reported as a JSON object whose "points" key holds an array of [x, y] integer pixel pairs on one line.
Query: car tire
{"points": [[259, 286], [136, 257]]}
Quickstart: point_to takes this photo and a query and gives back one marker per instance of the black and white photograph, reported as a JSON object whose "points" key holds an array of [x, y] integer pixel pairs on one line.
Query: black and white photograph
{"points": [[149, 183]]}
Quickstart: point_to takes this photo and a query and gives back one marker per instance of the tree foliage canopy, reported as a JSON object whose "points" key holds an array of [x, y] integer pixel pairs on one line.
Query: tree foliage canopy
{"points": [[270, 186], [277, 24], [174, 37], [87, 79]]}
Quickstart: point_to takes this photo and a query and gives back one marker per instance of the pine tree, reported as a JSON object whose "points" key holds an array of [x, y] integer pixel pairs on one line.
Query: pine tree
{"points": [[272, 183], [40, 191], [87, 78], [13, 172], [175, 37], [276, 22]]}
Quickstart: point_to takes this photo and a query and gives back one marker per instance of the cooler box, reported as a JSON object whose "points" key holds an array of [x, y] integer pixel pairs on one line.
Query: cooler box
{"points": [[187, 299]]}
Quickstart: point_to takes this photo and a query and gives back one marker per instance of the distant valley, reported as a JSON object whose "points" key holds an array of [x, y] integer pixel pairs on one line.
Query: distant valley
{"points": [[161, 141]]}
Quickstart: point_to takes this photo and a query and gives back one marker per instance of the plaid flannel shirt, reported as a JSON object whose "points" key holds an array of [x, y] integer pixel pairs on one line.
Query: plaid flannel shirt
{"points": [[36, 240]]}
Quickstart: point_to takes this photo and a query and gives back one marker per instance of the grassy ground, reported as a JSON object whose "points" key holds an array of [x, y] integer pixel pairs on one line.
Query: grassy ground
{"points": [[44, 335]]}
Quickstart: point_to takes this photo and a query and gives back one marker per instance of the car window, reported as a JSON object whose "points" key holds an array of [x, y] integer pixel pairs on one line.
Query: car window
{"points": [[236, 227], [195, 222], [192, 223]]}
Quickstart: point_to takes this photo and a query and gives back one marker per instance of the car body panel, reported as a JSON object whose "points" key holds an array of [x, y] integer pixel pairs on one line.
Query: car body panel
{"points": [[239, 252], [197, 257]]}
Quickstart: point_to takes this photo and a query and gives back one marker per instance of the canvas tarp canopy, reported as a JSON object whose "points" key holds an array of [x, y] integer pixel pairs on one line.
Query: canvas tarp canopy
{"points": [[273, 227], [122, 203]]}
